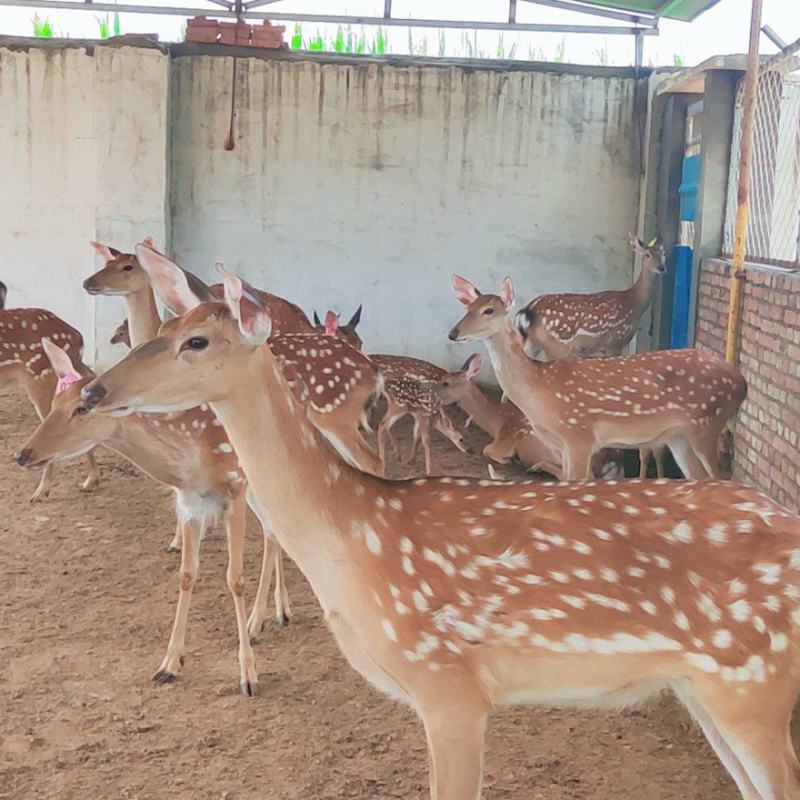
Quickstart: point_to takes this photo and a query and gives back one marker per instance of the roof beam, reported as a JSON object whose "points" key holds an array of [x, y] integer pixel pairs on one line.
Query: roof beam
{"points": [[126, 8]]}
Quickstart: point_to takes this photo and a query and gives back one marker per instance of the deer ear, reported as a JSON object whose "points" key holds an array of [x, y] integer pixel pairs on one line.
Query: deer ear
{"points": [[106, 253], [150, 242], [472, 366], [168, 280], [331, 323], [254, 321], [657, 241], [355, 319], [317, 320], [507, 292], [465, 291]]}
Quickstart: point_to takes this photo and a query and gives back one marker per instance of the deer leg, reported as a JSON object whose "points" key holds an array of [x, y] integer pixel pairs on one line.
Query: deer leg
{"points": [[689, 464], [425, 436], [191, 530], [283, 610], [579, 464], [385, 429], [93, 478], [235, 529], [660, 454], [260, 612], [645, 454], [43, 489], [725, 754], [175, 545], [757, 732], [455, 749], [414, 441], [705, 448]]}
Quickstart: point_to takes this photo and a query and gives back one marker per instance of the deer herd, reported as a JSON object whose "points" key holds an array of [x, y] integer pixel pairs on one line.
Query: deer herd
{"points": [[453, 595]]}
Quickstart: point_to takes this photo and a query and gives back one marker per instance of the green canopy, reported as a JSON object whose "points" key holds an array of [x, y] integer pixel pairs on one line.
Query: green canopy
{"points": [[685, 10]]}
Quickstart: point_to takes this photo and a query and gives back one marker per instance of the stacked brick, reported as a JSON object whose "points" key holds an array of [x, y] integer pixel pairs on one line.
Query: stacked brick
{"points": [[202, 29], [768, 426]]}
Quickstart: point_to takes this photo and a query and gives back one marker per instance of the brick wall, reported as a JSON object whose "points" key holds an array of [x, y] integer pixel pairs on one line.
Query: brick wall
{"points": [[766, 432]]}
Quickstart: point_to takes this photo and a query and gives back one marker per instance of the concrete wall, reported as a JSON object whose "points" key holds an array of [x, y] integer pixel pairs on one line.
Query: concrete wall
{"points": [[83, 143], [351, 181], [374, 183]]}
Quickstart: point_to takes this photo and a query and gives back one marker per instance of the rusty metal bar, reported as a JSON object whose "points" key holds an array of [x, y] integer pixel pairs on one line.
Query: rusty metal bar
{"points": [[743, 187]]}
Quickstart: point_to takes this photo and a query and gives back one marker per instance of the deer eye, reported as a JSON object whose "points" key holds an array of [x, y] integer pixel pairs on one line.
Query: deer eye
{"points": [[127, 268], [487, 311], [445, 383], [195, 343], [80, 410]]}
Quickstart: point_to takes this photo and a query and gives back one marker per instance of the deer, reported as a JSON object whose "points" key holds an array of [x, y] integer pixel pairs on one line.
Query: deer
{"points": [[23, 362], [333, 327], [121, 334], [407, 396], [513, 436], [603, 323], [679, 398], [190, 453], [457, 595]]}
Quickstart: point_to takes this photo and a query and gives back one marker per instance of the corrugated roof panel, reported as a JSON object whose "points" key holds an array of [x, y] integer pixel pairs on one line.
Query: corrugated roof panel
{"points": [[685, 10]]}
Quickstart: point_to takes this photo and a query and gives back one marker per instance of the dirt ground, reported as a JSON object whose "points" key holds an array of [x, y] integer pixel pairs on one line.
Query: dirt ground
{"points": [[87, 596]]}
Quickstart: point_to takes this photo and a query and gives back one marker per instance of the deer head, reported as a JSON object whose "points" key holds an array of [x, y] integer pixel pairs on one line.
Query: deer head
{"points": [[452, 388], [68, 430], [652, 253], [486, 313], [121, 276], [194, 356], [121, 334], [332, 327]]}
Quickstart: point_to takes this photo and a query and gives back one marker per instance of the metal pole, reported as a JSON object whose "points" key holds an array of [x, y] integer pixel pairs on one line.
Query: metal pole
{"points": [[743, 187]]}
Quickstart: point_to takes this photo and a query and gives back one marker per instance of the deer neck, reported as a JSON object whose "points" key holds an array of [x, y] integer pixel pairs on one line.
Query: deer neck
{"points": [[143, 318], [511, 366], [643, 290], [313, 500], [148, 444], [487, 413]]}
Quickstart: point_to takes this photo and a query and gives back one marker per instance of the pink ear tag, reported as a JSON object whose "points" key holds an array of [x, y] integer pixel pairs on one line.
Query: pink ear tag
{"points": [[331, 323], [66, 381]]}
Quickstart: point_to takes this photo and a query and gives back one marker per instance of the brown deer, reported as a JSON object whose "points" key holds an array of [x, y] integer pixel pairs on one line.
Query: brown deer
{"points": [[190, 453], [23, 362], [332, 327], [407, 396], [603, 323], [457, 595], [679, 398], [121, 334]]}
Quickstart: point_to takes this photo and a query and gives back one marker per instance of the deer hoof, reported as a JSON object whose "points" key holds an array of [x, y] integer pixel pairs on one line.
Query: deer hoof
{"points": [[173, 548], [164, 676], [285, 620], [250, 688]]}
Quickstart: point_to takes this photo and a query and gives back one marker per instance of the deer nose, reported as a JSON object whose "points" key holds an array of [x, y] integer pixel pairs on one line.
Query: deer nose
{"points": [[453, 335], [23, 456], [93, 394]]}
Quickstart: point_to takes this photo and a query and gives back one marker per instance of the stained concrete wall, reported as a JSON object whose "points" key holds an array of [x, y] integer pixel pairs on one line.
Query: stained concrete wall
{"points": [[350, 181], [83, 146], [374, 183]]}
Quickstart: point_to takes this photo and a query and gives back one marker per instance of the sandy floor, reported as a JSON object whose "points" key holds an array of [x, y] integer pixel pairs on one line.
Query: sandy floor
{"points": [[87, 595]]}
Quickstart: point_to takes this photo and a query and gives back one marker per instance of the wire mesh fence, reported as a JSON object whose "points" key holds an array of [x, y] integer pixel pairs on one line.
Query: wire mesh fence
{"points": [[773, 234]]}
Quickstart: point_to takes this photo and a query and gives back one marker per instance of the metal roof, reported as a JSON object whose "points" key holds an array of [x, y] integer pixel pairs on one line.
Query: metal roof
{"points": [[685, 10]]}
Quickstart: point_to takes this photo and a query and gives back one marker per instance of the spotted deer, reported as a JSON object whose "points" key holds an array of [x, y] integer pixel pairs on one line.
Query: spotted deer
{"points": [[678, 398], [513, 435], [23, 362], [190, 453], [458, 595], [407, 396], [603, 323]]}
